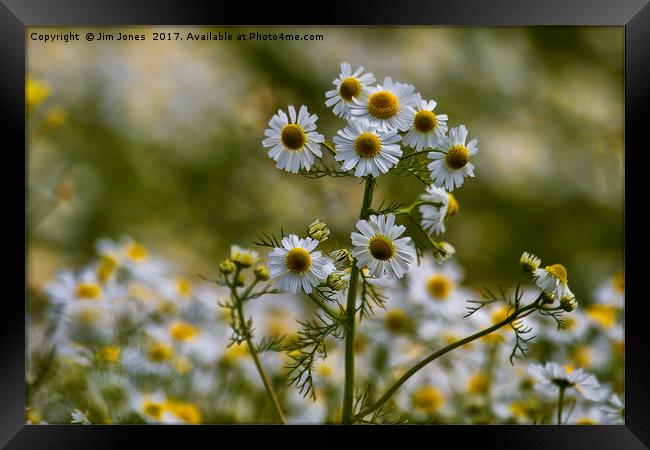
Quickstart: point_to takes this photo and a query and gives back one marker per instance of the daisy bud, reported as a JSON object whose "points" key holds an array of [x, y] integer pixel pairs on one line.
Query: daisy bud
{"points": [[318, 230], [529, 262], [568, 302], [547, 298], [243, 257], [226, 267], [443, 252], [336, 281], [342, 259], [452, 206], [262, 273]]}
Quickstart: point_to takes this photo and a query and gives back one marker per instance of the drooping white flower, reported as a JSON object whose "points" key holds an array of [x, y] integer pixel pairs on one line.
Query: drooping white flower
{"points": [[552, 376], [378, 248], [427, 129], [451, 164], [553, 280], [364, 146], [433, 217], [388, 107], [529, 262], [297, 265], [293, 139], [349, 85]]}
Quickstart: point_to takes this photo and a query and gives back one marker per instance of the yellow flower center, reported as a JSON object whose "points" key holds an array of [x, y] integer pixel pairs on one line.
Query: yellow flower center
{"points": [[298, 260], [294, 353], [452, 206], [235, 352], [137, 252], [457, 157], [427, 399], [88, 291], [586, 421], [499, 315], [35, 92], [583, 356], [278, 327], [350, 87], [183, 287], [381, 248], [293, 137], [383, 105], [106, 268], [183, 331], [568, 369], [367, 145], [159, 352], [439, 286], [477, 383], [187, 412], [425, 121], [520, 409], [34, 416], [324, 370], [110, 353], [619, 283], [605, 315], [153, 409], [396, 320], [559, 272]]}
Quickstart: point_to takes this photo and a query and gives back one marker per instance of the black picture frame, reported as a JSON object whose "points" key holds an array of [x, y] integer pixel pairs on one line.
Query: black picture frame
{"points": [[634, 15]]}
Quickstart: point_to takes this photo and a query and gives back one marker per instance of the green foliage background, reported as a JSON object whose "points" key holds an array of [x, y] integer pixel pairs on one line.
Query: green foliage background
{"points": [[163, 142]]}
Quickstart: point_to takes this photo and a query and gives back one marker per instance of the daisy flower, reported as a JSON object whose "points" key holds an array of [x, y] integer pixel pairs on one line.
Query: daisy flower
{"points": [[297, 265], [388, 107], [130, 255], [364, 146], [529, 262], [378, 248], [349, 85], [553, 280], [614, 410], [427, 128], [552, 376], [612, 291], [451, 164], [437, 289], [433, 217], [293, 139]]}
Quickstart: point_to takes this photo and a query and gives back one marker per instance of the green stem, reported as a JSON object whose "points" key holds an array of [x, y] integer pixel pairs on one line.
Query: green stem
{"points": [[389, 393], [251, 348], [329, 147], [350, 310], [411, 155], [560, 404]]}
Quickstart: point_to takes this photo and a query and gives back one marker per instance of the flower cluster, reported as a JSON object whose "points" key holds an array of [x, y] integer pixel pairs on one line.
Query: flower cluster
{"points": [[355, 325], [128, 341]]}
